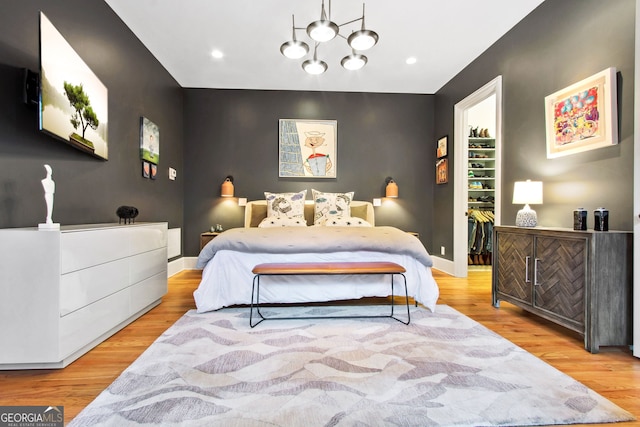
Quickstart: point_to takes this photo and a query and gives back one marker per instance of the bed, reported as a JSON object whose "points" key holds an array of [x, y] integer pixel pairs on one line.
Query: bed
{"points": [[228, 259]]}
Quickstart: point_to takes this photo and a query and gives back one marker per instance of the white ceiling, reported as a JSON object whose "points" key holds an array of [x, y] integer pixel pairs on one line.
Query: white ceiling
{"points": [[443, 35]]}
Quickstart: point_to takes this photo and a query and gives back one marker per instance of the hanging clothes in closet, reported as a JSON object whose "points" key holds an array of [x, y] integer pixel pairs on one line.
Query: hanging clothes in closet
{"points": [[480, 235]]}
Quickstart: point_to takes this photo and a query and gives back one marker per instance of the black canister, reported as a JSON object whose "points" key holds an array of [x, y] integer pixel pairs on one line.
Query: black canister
{"points": [[580, 219], [601, 218]]}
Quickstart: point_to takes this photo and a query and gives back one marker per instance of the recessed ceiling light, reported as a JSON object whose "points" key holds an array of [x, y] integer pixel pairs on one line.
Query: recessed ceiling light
{"points": [[411, 60], [217, 54]]}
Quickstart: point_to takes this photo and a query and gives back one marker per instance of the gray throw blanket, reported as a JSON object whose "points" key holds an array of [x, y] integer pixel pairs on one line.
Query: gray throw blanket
{"points": [[315, 239]]}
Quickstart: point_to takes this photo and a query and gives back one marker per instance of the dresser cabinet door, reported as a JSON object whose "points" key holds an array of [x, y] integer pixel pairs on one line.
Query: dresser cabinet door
{"points": [[560, 278], [515, 261]]}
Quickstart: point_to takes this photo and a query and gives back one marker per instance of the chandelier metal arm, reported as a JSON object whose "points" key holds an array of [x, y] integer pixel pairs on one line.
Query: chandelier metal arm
{"points": [[351, 22]]}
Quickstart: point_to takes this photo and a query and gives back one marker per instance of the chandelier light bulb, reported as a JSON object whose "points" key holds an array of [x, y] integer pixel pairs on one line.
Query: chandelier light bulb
{"points": [[314, 66], [322, 31], [362, 39], [354, 61], [294, 49]]}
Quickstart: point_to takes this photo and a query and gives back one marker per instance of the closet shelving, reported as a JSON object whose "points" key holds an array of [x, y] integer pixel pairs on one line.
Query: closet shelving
{"points": [[481, 190], [482, 177]]}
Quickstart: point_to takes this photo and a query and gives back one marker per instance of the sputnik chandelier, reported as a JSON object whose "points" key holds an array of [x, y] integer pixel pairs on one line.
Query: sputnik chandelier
{"points": [[324, 30]]}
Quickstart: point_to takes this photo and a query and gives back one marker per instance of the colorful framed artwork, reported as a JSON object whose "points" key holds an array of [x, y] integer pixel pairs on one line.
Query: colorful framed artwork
{"points": [[441, 150], [146, 169], [442, 171], [154, 171], [308, 148], [149, 141], [583, 116]]}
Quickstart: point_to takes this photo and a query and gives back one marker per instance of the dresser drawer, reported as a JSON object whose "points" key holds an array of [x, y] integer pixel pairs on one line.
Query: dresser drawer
{"points": [[83, 287], [86, 249], [87, 324], [148, 238], [145, 265], [148, 291]]}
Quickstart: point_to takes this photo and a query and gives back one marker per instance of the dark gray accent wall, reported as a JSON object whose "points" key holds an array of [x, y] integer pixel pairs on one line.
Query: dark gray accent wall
{"points": [[558, 44], [235, 132], [88, 190]]}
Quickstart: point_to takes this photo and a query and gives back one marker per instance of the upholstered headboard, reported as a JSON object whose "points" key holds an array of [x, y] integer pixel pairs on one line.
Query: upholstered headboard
{"points": [[256, 211]]}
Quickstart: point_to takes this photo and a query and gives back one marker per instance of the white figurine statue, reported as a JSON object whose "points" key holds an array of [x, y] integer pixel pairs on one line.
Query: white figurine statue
{"points": [[49, 190]]}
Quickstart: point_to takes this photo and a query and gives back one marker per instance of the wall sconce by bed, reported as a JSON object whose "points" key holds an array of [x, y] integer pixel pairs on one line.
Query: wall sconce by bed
{"points": [[392, 188], [226, 190], [527, 192]]}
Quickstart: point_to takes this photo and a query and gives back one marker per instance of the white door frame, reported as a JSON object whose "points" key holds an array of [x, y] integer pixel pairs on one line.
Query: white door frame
{"points": [[636, 194], [461, 150]]}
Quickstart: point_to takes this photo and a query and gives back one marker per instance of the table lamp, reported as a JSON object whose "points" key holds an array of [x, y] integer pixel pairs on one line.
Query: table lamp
{"points": [[527, 192]]}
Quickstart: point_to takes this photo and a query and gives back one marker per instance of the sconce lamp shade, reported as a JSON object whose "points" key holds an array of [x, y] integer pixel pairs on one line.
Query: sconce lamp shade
{"points": [[226, 190], [392, 188], [527, 192]]}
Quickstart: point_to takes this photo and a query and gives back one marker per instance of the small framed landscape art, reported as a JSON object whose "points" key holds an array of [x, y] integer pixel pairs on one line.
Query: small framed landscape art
{"points": [[441, 150], [583, 116], [73, 102], [307, 148], [442, 171]]}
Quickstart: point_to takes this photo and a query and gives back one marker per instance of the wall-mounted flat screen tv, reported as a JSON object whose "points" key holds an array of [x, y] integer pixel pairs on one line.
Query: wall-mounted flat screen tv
{"points": [[73, 101]]}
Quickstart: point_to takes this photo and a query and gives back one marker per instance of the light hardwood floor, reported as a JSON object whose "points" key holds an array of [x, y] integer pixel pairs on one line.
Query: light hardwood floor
{"points": [[614, 372]]}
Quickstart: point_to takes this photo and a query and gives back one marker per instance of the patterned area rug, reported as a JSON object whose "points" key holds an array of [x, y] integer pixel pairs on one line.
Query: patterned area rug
{"points": [[443, 369]]}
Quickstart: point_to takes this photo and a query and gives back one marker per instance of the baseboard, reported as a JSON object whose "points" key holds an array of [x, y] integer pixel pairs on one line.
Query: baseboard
{"points": [[444, 265], [190, 262], [184, 263]]}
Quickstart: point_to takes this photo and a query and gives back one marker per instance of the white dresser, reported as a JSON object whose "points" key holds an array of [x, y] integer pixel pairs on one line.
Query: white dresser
{"points": [[63, 292]]}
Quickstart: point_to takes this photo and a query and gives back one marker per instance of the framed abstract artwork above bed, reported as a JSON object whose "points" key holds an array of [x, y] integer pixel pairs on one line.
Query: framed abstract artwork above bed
{"points": [[307, 148]]}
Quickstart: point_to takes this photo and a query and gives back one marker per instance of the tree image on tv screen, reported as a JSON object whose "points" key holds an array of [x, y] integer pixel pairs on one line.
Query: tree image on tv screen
{"points": [[84, 115]]}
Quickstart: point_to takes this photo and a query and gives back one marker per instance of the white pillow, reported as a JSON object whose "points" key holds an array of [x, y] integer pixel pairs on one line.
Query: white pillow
{"points": [[285, 204], [282, 221], [345, 221], [331, 205]]}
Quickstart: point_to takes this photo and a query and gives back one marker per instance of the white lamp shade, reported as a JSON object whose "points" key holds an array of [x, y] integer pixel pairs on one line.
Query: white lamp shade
{"points": [[527, 192]]}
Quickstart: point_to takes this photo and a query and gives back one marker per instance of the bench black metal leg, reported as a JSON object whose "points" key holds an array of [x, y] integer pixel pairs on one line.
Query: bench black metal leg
{"points": [[406, 294], [255, 290]]}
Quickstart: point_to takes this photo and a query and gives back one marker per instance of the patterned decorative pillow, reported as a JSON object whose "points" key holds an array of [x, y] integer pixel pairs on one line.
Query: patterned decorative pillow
{"points": [[331, 204], [282, 221], [346, 221], [285, 204]]}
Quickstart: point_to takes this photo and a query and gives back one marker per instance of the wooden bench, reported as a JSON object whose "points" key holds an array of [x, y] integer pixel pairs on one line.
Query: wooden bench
{"points": [[321, 269]]}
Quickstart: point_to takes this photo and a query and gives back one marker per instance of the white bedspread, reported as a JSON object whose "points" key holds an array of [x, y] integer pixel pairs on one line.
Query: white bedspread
{"points": [[227, 280]]}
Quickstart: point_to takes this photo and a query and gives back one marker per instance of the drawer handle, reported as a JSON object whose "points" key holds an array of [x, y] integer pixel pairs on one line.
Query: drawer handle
{"points": [[535, 272], [526, 269]]}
